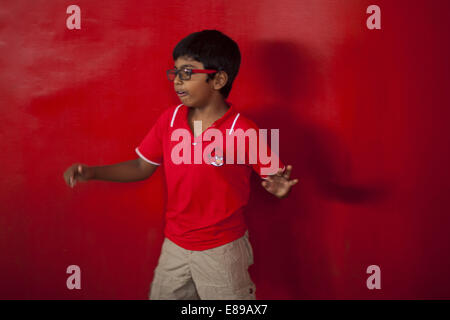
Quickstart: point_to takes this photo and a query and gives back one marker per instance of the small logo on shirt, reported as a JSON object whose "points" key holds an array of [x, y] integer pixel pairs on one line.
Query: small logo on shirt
{"points": [[218, 161]]}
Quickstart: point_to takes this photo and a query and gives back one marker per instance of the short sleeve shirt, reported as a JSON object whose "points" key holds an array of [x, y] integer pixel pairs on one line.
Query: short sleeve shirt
{"points": [[208, 176]]}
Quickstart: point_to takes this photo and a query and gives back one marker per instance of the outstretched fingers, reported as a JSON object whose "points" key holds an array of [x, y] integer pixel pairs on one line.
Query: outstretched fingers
{"points": [[287, 172], [279, 172]]}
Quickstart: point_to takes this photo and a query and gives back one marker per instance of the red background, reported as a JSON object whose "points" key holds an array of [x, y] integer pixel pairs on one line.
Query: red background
{"points": [[363, 118]]}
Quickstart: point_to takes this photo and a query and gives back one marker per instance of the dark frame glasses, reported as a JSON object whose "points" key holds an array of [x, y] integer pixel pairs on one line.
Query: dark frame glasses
{"points": [[185, 74]]}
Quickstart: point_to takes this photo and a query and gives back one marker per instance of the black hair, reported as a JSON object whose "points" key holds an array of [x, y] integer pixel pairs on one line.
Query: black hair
{"points": [[215, 50]]}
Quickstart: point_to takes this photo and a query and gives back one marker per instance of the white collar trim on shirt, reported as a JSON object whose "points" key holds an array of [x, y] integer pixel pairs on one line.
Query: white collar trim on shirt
{"points": [[178, 107], [234, 122], [174, 114]]}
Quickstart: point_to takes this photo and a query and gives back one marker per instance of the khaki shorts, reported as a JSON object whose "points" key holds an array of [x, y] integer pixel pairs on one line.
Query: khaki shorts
{"points": [[219, 273]]}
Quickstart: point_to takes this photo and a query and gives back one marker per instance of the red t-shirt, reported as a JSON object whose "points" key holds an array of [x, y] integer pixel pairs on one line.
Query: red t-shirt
{"points": [[205, 201]]}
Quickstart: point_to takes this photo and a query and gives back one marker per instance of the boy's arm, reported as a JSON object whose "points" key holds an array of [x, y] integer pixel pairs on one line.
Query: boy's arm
{"points": [[128, 171]]}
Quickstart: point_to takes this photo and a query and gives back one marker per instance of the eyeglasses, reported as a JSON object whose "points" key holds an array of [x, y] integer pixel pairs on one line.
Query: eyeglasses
{"points": [[185, 74]]}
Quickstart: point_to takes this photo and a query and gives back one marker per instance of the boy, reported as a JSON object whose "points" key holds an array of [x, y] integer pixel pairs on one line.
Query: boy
{"points": [[206, 251]]}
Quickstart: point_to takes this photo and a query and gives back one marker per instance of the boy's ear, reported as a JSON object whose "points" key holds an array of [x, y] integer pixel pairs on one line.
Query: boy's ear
{"points": [[220, 80]]}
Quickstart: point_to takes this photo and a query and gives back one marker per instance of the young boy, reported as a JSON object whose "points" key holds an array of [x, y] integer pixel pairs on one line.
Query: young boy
{"points": [[206, 250]]}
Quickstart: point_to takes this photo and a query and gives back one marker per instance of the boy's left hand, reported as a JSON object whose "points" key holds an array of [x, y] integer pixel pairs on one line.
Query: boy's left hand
{"points": [[279, 183]]}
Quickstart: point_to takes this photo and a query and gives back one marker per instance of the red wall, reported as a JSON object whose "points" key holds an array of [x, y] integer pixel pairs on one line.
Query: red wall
{"points": [[363, 117]]}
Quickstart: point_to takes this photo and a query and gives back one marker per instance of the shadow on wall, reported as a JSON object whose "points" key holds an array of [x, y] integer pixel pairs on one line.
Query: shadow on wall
{"points": [[291, 254]]}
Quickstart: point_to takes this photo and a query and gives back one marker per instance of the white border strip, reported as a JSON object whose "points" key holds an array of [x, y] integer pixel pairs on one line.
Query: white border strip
{"points": [[232, 126], [149, 161], [174, 114]]}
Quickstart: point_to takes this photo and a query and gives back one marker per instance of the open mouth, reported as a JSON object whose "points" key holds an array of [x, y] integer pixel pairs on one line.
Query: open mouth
{"points": [[181, 93]]}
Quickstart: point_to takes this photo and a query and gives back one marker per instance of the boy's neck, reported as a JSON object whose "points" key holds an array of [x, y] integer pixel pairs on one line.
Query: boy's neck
{"points": [[213, 111]]}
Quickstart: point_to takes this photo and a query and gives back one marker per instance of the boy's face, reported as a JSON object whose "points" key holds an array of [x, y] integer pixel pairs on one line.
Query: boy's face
{"points": [[196, 91]]}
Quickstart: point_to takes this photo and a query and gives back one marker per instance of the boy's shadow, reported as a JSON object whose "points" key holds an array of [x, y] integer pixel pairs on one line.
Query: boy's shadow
{"points": [[292, 260]]}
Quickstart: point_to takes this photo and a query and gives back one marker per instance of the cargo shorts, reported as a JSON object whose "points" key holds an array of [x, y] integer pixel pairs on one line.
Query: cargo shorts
{"points": [[219, 273]]}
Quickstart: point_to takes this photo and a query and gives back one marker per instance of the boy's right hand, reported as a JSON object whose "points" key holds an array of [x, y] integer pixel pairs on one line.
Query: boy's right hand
{"points": [[78, 172]]}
